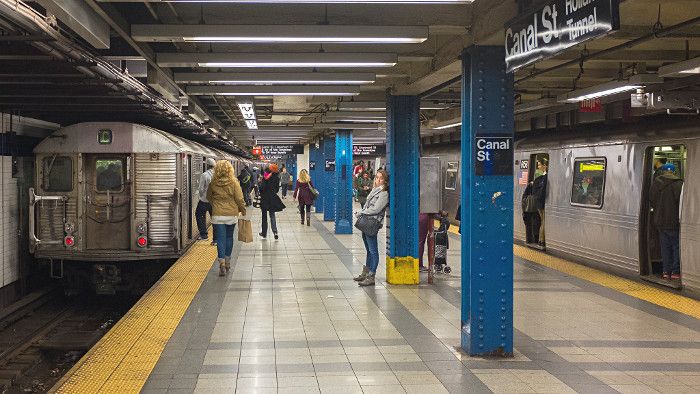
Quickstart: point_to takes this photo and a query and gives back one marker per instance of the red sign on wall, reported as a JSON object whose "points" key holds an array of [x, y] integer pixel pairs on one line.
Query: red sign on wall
{"points": [[257, 151], [592, 105]]}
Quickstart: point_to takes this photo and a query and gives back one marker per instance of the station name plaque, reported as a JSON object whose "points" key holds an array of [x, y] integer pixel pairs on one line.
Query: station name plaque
{"points": [[493, 155]]}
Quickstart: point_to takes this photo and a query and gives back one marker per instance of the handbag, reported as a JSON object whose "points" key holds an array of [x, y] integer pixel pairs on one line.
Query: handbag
{"points": [[314, 191], [530, 204], [245, 231], [369, 225]]}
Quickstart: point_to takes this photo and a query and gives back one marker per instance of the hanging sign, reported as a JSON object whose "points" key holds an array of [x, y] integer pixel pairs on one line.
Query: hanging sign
{"points": [[590, 105], [556, 26], [330, 165], [493, 155], [369, 150], [279, 151]]}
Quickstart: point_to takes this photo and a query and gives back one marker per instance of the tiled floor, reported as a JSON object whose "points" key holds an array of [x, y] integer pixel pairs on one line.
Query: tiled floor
{"points": [[289, 319]]}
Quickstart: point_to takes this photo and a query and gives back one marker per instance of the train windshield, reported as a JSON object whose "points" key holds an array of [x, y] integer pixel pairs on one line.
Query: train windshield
{"points": [[57, 174], [109, 175]]}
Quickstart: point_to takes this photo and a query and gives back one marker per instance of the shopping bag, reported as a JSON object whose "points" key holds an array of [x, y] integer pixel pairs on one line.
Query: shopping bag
{"points": [[245, 231]]}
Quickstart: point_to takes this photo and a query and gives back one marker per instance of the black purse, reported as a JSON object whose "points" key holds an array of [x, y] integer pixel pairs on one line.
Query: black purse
{"points": [[369, 225]]}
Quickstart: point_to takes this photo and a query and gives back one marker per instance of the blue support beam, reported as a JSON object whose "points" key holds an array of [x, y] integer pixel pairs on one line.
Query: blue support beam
{"points": [[291, 164], [317, 173], [343, 182], [329, 179], [487, 203], [403, 163]]}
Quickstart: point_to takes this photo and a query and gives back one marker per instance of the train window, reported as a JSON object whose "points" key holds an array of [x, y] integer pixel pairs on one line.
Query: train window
{"points": [[670, 154], [57, 175], [109, 175], [451, 175], [588, 187]]}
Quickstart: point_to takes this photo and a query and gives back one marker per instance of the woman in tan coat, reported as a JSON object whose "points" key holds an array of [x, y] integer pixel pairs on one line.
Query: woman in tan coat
{"points": [[226, 199]]}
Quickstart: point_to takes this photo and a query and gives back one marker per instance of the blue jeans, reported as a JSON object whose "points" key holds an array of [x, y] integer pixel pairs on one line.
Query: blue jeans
{"points": [[372, 252], [670, 251], [224, 239]]}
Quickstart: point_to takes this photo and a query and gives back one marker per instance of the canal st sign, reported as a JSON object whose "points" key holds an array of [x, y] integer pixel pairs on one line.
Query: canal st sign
{"points": [[556, 26]]}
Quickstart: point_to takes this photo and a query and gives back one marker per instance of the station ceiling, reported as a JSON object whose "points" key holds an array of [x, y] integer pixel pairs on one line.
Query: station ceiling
{"points": [[178, 65]]}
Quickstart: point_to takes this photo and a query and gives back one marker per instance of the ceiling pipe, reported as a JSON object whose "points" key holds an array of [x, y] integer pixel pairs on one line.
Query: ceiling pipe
{"points": [[629, 44]]}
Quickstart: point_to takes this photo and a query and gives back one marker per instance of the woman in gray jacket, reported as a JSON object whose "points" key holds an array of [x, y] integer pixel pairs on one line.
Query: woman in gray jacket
{"points": [[377, 201]]}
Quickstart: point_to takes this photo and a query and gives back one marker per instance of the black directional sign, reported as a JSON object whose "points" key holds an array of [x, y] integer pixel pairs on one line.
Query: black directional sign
{"points": [[493, 155]]}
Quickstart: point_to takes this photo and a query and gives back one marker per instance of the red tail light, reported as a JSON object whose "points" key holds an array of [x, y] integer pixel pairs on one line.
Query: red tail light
{"points": [[68, 241], [141, 241]]}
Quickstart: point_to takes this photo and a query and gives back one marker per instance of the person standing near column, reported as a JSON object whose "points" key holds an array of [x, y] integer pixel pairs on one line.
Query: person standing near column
{"points": [[376, 205], [203, 206], [285, 181], [303, 194], [539, 190], [227, 202], [665, 196]]}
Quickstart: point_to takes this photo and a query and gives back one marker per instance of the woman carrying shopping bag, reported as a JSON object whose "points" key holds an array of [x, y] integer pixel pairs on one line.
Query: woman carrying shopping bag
{"points": [[226, 198], [369, 221], [304, 193]]}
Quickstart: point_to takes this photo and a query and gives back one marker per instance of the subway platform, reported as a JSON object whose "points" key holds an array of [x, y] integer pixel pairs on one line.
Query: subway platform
{"points": [[290, 319]]}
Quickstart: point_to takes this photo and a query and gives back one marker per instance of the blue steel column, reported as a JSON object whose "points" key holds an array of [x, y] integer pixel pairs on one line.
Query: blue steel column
{"points": [[343, 182], [328, 181], [487, 217], [317, 175], [403, 163]]}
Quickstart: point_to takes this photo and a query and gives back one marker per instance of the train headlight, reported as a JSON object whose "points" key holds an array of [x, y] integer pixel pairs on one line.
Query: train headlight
{"points": [[141, 228], [68, 227], [69, 241], [141, 241]]}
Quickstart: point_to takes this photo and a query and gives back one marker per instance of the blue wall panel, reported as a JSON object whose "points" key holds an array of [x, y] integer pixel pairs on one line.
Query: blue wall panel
{"points": [[328, 180]]}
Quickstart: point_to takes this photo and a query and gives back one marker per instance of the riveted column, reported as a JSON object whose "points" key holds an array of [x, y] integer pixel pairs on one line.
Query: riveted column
{"points": [[317, 173], [329, 179], [343, 182], [403, 163], [487, 202]]}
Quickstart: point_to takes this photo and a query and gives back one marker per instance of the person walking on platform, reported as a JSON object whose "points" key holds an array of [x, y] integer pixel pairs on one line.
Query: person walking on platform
{"points": [[245, 178], [303, 194], [363, 186], [227, 203], [285, 181], [203, 206], [270, 202], [375, 207], [665, 195], [539, 191]]}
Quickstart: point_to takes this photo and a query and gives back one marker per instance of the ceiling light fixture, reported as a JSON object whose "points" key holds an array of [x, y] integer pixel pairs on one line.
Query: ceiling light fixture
{"points": [[610, 88], [345, 34], [316, 78], [680, 69], [277, 60], [381, 106], [236, 90], [447, 126]]}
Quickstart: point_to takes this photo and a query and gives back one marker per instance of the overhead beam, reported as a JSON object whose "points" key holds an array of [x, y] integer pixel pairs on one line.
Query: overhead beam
{"points": [[81, 19]]}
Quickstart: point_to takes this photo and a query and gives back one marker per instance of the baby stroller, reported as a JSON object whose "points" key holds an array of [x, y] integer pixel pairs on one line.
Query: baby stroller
{"points": [[442, 243]]}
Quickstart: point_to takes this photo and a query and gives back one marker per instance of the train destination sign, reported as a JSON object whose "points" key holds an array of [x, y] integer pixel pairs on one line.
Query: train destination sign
{"points": [[493, 155], [368, 150], [556, 26]]}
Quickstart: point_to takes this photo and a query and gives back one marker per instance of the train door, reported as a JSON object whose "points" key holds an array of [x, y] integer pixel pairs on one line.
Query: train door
{"points": [[538, 167], [107, 201], [189, 193], [650, 244]]}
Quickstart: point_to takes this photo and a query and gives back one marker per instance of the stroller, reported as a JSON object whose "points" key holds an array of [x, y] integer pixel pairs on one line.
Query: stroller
{"points": [[442, 243]]}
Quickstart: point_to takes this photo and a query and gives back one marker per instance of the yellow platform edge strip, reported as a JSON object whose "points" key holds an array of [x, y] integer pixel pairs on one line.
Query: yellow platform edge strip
{"points": [[641, 291], [123, 359]]}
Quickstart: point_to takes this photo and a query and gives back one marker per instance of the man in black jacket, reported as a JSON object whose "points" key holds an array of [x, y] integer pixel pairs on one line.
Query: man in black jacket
{"points": [[665, 195], [539, 190]]}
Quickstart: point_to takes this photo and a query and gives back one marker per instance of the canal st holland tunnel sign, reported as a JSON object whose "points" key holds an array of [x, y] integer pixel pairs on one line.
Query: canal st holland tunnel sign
{"points": [[555, 26]]}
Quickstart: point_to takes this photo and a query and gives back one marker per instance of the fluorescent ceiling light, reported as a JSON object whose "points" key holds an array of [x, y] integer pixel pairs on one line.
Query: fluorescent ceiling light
{"points": [[381, 106], [282, 90], [310, 1], [281, 33], [536, 105], [274, 129], [277, 60], [355, 120], [311, 78], [447, 126], [691, 66], [346, 126], [356, 115], [610, 88]]}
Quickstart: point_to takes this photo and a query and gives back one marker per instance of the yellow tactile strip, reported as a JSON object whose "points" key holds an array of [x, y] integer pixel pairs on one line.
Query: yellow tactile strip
{"points": [[654, 295], [660, 297], [124, 358]]}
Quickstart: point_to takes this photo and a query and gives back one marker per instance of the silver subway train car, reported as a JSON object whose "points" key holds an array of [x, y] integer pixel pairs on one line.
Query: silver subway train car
{"points": [[111, 199], [597, 209]]}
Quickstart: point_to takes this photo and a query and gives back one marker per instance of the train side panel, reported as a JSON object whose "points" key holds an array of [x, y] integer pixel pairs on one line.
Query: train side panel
{"points": [[690, 220]]}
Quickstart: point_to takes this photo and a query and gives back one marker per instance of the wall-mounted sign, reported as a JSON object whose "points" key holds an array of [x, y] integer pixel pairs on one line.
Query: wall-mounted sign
{"points": [[312, 165], [493, 155], [279, 151], [257, 151], [330, 165], [556, 26], [590, 105], [104, 137], [369, 150]]}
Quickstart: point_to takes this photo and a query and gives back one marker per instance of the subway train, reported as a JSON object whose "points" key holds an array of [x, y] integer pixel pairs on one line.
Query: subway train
{"points": [[114, 202], [597, 210]]}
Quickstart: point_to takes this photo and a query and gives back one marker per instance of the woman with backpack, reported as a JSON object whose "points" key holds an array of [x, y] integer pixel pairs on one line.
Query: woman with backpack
{"points": [[369, 221], [304, 193]]}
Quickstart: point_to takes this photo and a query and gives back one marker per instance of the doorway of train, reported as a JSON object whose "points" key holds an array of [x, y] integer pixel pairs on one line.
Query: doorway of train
{"points": [[658, 160], [107, 201], [538, 167]]}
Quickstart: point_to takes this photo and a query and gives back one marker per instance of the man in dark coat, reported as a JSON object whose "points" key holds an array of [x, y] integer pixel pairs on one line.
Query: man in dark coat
{"points": [[665, 195], [539, 190], [270, 202]]}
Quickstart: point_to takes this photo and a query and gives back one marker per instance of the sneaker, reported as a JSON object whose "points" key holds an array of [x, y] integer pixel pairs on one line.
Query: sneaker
{"points": [[665, 275], [675, 276], [262, 236]]}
